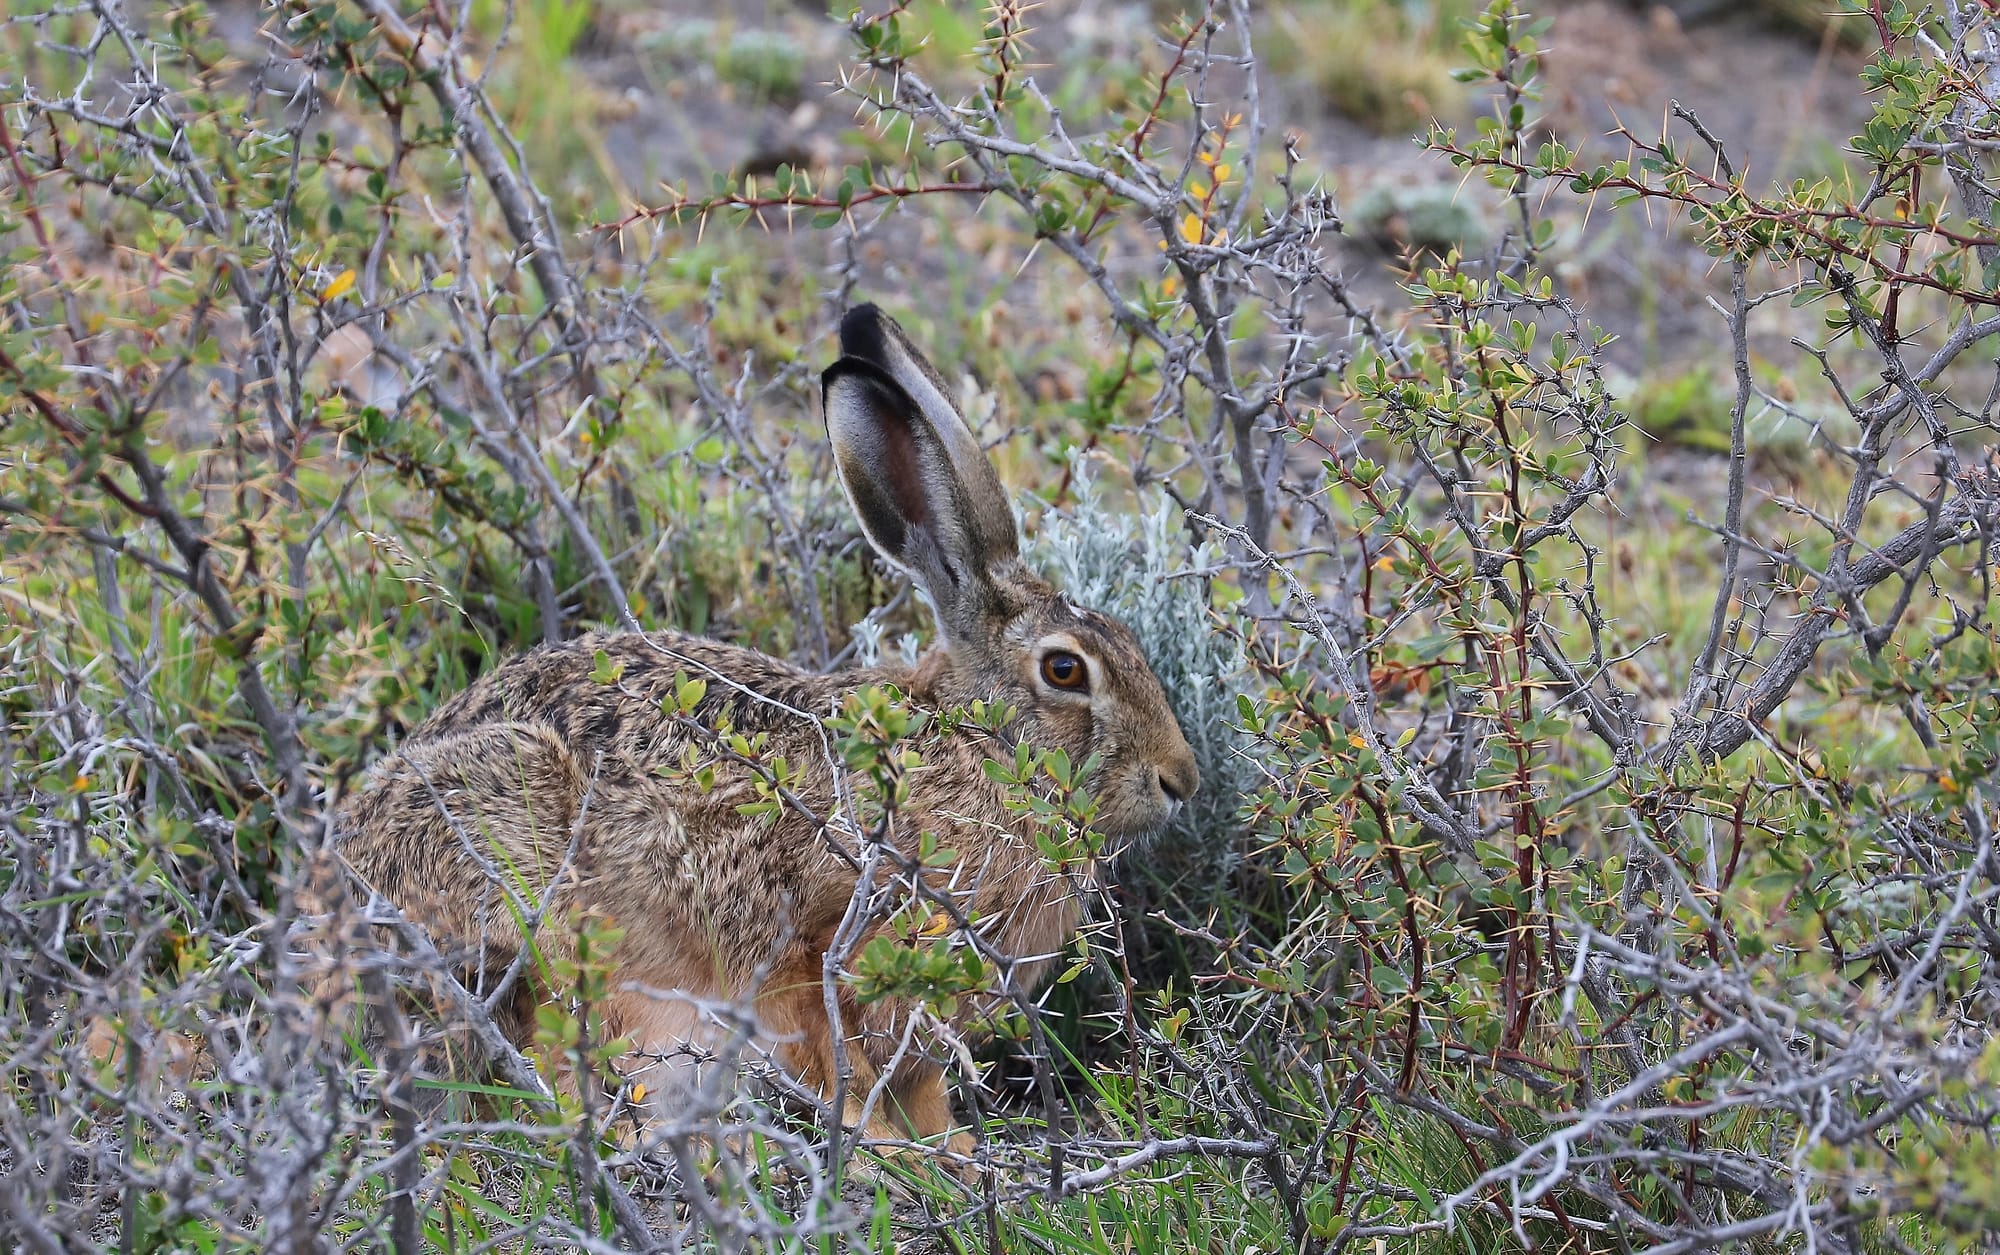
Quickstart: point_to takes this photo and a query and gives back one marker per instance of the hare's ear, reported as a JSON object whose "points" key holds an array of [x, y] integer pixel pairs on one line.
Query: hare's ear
{"points": [[921, 485]]}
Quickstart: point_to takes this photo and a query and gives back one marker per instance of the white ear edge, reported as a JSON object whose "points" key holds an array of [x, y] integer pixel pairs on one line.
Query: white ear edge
{"points": [[851, 402]]}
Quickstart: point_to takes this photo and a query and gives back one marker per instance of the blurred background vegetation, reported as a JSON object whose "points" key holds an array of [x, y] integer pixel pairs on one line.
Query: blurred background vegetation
{"points": [[280, 306]]}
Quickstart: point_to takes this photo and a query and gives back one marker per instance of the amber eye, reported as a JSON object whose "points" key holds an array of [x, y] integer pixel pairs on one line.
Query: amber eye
{"points": [[1065, 670]]}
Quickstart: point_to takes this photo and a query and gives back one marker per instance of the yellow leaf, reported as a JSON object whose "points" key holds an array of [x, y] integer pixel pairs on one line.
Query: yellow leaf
{"points": [[1357, 740], [338, 288], [1198, 190], [936, 926], [638, 1093], [1385, 563], [79, 784], [1222, 172], [1169, 285], [1191, 228], [1945, 782]]}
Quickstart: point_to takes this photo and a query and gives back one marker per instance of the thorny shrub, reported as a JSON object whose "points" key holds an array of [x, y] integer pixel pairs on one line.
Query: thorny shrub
{"points": [[1568, 913]]}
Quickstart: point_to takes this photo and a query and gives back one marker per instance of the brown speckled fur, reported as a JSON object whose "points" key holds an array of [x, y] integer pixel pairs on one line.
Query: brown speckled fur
{"points": [[716, 905]]}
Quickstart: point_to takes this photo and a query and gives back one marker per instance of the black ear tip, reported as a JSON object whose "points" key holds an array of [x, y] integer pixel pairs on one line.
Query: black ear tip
{"points": [[862, 333]]}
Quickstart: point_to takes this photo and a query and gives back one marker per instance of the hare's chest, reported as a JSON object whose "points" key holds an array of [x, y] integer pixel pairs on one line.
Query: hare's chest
{"points": [[1026, 908]]}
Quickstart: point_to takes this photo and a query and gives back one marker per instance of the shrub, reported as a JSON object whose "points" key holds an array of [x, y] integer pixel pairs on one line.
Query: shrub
{"points": [[1690, 408], [1545, 931], [763, 63], [1384, 64], [1432, 219]]}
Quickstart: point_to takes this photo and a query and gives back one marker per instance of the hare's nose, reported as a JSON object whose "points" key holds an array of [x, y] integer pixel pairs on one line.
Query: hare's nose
{"points": [[1179, 778]]}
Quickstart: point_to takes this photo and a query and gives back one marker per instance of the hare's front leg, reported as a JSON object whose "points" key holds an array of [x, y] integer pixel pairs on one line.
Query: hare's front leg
{"points": [[922, 1098], [793, 1013]]}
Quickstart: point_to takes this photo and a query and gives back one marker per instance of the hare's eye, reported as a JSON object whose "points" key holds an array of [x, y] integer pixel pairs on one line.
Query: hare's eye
{"points": [[1064, 670]]}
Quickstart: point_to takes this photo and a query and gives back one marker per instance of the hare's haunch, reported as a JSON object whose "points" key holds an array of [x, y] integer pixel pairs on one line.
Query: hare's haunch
{"points": [[543, 782]]}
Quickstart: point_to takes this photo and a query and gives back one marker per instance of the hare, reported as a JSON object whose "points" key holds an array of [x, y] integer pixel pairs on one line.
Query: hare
{"points": [[544, 781]]}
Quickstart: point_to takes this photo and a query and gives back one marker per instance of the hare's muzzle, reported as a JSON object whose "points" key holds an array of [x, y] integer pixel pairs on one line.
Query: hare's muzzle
{"points": [[1178, 779]]}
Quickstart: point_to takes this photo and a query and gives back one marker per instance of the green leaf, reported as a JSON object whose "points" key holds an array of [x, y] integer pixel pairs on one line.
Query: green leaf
{"points": [[688, 694], [604, 669]]}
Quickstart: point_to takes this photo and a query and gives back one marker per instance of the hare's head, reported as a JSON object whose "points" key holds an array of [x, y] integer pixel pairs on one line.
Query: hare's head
{"points": [[931, 503]]}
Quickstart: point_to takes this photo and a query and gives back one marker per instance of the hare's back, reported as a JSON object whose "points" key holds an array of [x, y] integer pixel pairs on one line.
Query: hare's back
{"points": [[572, 761], [456, 817], [555, 746], [603, 694]]}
